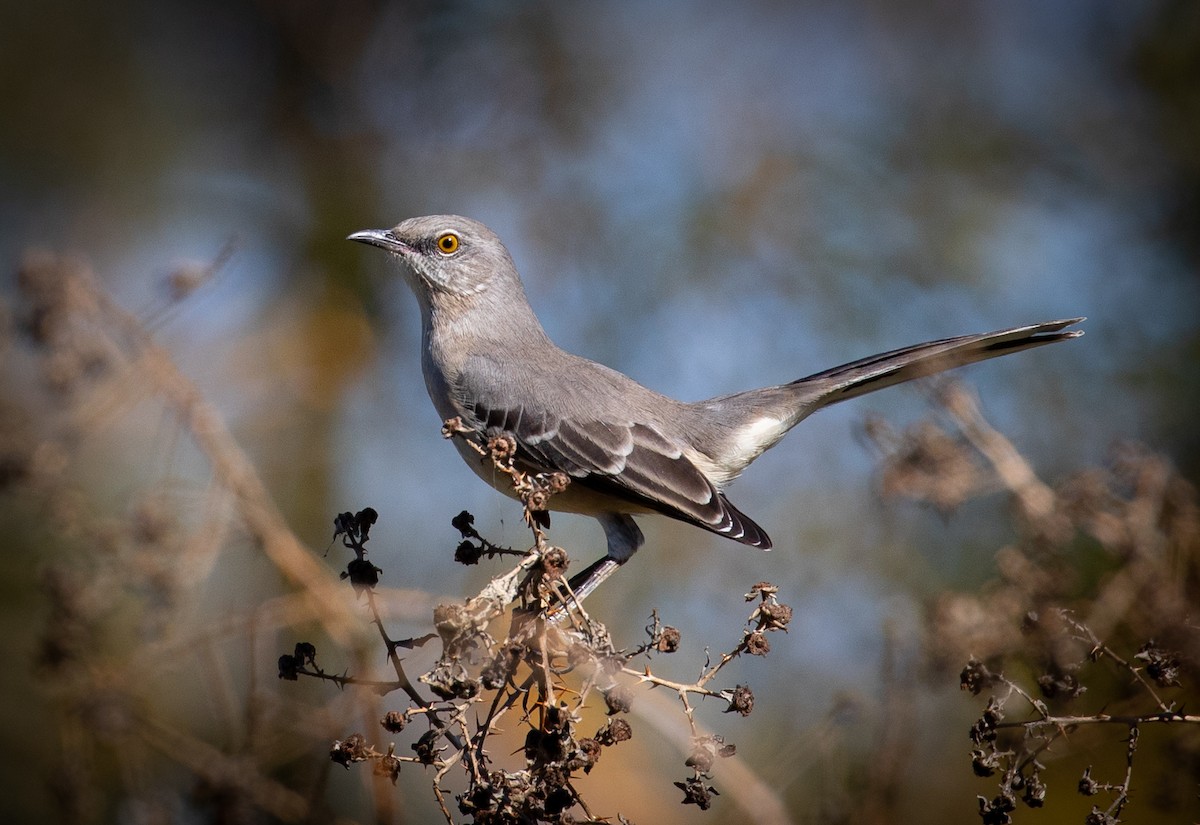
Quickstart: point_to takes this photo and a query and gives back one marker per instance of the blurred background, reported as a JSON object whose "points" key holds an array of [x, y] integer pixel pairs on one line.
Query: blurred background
{"points": [[708, 197]]}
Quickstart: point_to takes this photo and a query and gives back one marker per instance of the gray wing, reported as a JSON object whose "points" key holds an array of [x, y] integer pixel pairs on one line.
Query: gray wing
{"points": [[632, 462]]}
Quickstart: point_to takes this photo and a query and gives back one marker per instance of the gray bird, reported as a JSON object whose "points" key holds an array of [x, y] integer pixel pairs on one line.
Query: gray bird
{"points": [[627, 449]]}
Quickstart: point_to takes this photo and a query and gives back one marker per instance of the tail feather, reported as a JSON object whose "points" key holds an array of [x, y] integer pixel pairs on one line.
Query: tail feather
{"points": [[890, 368], [747, 423]]}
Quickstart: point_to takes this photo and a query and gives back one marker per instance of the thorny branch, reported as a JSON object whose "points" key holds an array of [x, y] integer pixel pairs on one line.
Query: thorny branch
{"points": [[546, 666], [1140, 514]]}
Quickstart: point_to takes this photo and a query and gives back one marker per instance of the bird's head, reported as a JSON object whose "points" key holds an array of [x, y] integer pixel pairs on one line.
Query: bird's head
{"points": [[448, 254]]}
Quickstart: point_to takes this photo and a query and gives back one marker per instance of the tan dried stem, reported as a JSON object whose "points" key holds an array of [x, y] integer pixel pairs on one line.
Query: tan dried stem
{"points": [[230, 465]]}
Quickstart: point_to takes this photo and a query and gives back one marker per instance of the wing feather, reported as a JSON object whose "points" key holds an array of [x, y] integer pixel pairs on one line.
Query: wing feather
{"points": [[630, 461]]}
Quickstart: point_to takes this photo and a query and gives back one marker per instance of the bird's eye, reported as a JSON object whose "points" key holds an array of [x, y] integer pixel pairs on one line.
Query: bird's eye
{"points": [[447, 243]]}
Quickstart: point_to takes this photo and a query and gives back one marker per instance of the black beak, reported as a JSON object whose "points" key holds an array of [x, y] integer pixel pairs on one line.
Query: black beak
{"points": [[382, 238]]}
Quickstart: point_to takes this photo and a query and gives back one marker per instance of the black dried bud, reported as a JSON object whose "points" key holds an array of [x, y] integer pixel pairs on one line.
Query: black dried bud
{"points": [[741, 700], [394, 721], [975, 677], [306, 652], [1161, 666], [389, 766], [589, 754], [289, 667], [997, 811], [497, 672], [774, 616], [993, 714], [668, 640], [356, 526], [365, 519], [426, 747], [1064, 685], [464, 523], [553, 776], [555, 562], [705, 749], [353, 748], [480, 797], [984, 763], [557, 801], [1087, 785], [1034, 793], [450, 680], [542, 747], [556, 482], [701, 759], [342, 523], [454, 426], [362, 574], [537, 501], [695, 792], [452, 624], [1099, 817], [501, 447], [616, 730], [619, 699], [556, 717], [468, 553], [757, 644], [982, 732], [762, 589]]}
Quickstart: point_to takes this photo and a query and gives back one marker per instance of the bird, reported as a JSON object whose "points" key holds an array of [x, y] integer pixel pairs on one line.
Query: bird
{"points": [[626, 449]]}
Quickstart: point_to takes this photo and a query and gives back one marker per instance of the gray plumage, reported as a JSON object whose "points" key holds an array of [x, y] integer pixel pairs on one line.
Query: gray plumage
{"points": [[627, 449]]}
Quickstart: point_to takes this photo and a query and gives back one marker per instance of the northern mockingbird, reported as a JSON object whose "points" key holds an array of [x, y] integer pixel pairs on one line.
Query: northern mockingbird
{"points": [[627, 449]]}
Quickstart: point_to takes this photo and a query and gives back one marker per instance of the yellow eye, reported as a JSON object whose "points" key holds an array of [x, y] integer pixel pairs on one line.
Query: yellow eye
{"points": [[447, 243]]}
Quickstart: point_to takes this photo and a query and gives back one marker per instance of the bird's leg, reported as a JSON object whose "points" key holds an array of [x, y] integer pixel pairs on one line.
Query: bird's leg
{"points": [[624, 538], [582, 584], [571, 596]]}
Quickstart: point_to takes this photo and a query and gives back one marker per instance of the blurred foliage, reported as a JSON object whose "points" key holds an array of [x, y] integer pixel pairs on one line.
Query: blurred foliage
{"points": [[707, 197]]}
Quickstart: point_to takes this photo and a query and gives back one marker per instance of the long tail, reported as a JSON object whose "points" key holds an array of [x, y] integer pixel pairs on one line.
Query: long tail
{"points": [[895, 367], [751, 422]]}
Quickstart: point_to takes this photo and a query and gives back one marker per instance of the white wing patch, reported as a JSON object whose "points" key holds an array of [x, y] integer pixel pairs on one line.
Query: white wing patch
{"points": [[748, 443], [758, 435]]}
